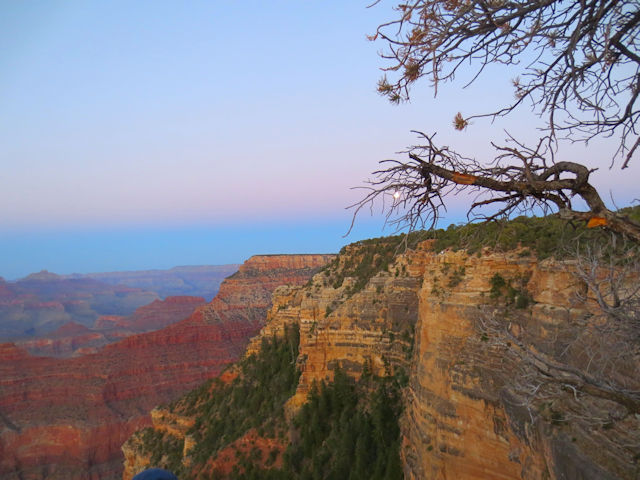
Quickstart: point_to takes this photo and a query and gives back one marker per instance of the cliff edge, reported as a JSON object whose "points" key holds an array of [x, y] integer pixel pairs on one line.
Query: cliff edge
{"points": [[499, 355]]}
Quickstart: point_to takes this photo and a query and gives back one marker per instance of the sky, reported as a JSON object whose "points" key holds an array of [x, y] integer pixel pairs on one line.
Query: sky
{"points": [[150, 134]]}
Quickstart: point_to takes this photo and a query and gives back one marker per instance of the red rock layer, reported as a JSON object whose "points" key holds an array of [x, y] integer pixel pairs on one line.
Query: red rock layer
{"points": [[162, 313], [66, 418]]}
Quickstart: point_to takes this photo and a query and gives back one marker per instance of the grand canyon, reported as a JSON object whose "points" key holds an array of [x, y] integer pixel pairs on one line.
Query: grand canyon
{"points": [[320, 240], [439, 340], [424, 319], [67, 417]]}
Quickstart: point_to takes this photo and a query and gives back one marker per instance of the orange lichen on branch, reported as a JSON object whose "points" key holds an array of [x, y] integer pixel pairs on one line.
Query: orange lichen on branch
{"points": [[463, 178], [597, 222]]}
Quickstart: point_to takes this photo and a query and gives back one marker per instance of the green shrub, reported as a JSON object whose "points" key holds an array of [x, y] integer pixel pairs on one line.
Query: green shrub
{"points": [[255, 399], [348, 430], [497, 283]]}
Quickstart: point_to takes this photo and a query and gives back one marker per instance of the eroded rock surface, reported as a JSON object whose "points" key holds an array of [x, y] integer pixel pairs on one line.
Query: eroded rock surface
{"points": [[67, 418]]}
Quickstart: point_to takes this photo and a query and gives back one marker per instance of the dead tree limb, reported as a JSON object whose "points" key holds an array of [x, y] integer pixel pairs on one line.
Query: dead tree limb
{"points": [[577, 63], [519, 180]]}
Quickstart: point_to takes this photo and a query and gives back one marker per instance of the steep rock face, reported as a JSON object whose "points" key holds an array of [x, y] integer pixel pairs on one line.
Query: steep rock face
{"points": [[66, 418], [369, 329], [492, 389], [354, 328], [256, 279], [475, 404], [162, 420], [452, 427]]}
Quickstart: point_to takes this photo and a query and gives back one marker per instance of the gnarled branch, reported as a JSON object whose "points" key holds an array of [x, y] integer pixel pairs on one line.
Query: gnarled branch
{"points": [[518, 181]]}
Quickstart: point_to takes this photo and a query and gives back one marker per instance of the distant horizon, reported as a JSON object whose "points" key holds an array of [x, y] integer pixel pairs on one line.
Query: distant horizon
{"points": [[144, 135], [70, 275], [77, 252]]}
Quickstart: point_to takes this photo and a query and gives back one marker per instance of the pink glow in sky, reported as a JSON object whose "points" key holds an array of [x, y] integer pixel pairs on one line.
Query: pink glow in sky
{"points": [[161, 115]]}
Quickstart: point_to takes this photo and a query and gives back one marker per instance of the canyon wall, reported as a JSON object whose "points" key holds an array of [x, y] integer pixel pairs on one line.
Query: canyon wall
{"points": [[501, 355], [66, 418], [506, 390], [490, 330]]}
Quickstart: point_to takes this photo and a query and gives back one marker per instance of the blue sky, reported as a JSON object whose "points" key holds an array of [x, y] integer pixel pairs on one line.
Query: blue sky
{"points": [[151, 134]]}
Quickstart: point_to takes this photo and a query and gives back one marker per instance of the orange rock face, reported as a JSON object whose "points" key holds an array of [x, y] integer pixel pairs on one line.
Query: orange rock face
{"points": [[471, 335], [475, 409], [453, 427], [67, 418]]}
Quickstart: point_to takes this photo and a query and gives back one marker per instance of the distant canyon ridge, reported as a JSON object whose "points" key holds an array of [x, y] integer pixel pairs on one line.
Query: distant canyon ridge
{"points": [[66, 418], [45, 304]]}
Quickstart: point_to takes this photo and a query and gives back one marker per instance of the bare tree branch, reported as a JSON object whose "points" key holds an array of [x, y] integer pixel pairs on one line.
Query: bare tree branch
{"points": [[579, 61], [519, 180], [581, 370]]}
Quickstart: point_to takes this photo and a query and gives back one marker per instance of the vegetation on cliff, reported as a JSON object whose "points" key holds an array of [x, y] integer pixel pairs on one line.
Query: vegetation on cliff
{"points": [[254, 399], [544, 237], [549, 236], [346, 429], [552, 371], [361, 261], [223, 412]]}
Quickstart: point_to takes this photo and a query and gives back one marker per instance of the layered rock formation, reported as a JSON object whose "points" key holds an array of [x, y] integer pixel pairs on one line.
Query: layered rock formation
{"points": [[40, 303], [158, 314], [65, 341], [66, 418], [348, 318], [507, 391], [506, 372]]}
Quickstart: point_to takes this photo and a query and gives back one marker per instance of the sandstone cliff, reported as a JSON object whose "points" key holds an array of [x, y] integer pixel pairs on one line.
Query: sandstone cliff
{"points": [[500, 352], [511, 391], [66, 418]]}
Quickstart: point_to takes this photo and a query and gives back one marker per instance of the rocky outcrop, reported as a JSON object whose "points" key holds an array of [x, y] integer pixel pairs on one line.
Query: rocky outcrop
{"points": [[453, 427], [486, 327], [500, 356], [66, 418], [358, 323], [369, 329], [481, 403]]}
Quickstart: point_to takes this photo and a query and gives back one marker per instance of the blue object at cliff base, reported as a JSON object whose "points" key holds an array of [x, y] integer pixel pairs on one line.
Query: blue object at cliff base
{"points": [[155, 474]]}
